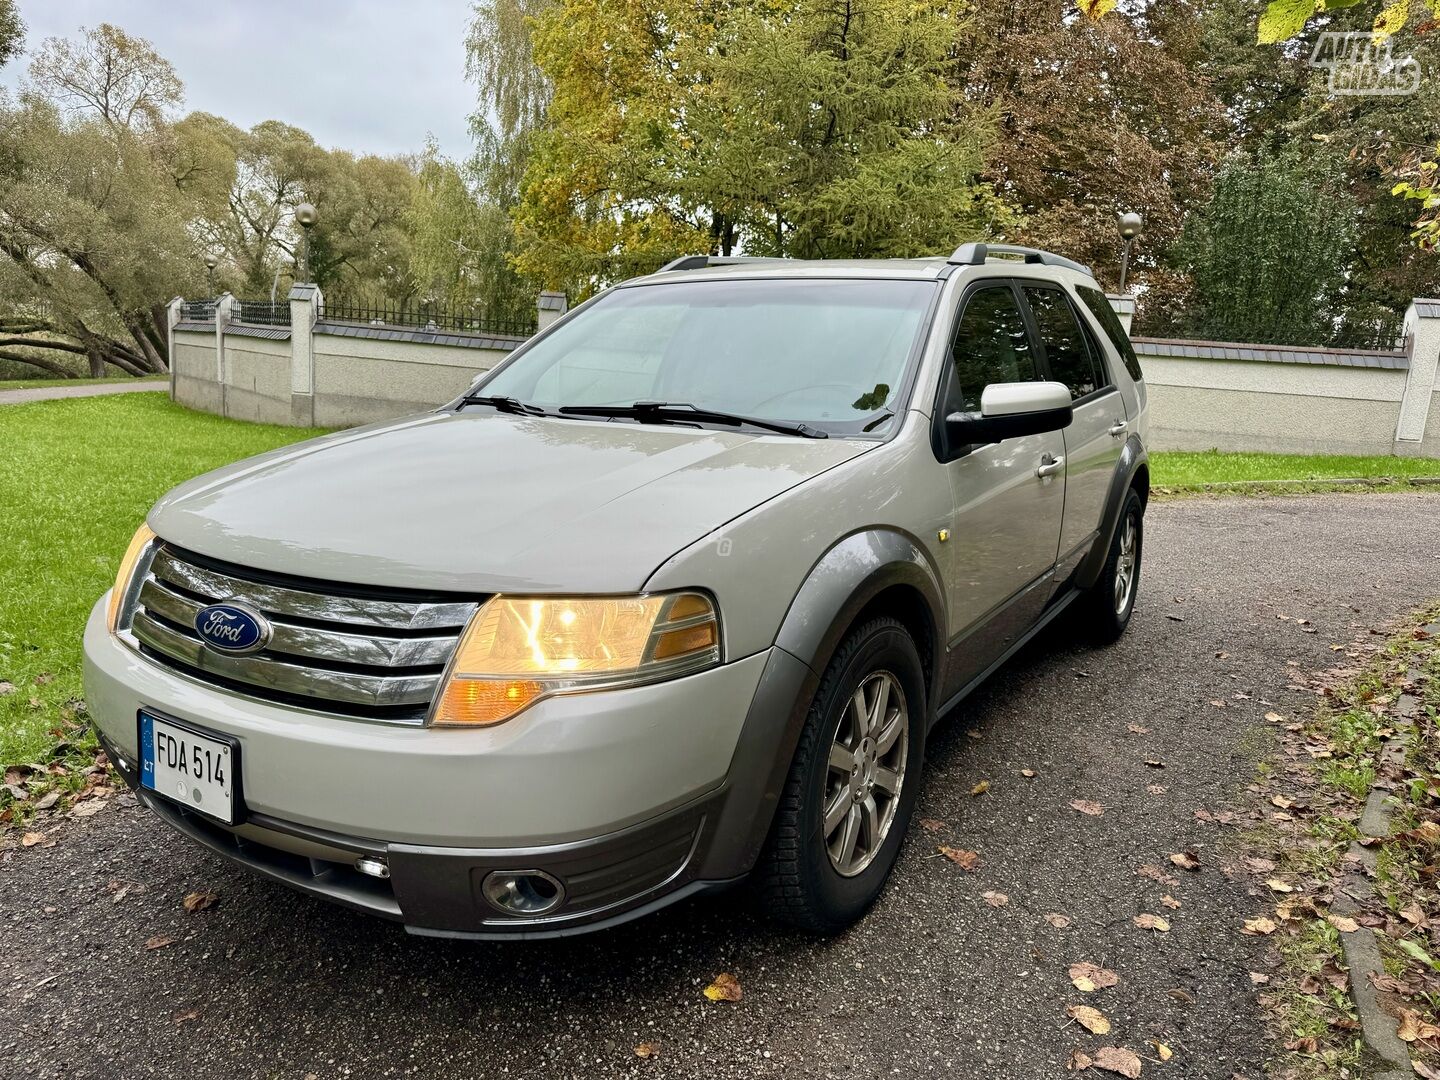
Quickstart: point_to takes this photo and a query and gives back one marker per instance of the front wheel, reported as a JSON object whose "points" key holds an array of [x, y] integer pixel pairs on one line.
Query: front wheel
{"points": [[852, 786], [1111, 600]]}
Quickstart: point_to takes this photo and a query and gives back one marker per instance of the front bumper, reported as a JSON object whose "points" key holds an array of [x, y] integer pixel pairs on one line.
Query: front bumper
{"points": [[630, 798]]}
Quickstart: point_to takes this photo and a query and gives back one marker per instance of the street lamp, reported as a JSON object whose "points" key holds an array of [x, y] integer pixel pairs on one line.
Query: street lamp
{"points": [[305, 216], [1131, 226], [210, 263]]}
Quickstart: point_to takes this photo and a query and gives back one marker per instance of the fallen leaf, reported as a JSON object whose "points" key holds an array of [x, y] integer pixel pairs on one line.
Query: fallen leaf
{"points": [[1154, 873], [1147, 921], [200, 901], [966, 860], [725, 988], [1184, 997], [647, 1050], [1262, 925], [1156, 789], [1055, 919], [1078, 1060], [1029, 774], [1170, 902], [1429, 1072], [6, 687], [1274, 718], [186, 1016], [1186, 860], [995, 899], [87, 809], [1259, 978], [1222, 656], [1343, 923], [1088, 977], [159, 941], [1220, 704], [1282, 802], [1414, 915], [1087, 806], [45, 802], [1413, 1028], [1276, 885], [30, 839], [1163, 1052], [1117, 1059], [1091, 1019], [1259, 866], [930, 824], [1307, 1045], [1136, 729], [1155, 763], [980, 788]]}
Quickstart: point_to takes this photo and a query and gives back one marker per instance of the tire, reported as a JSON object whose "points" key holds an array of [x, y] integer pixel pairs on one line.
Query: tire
{"points": [[804, 877], [1106, 613]]}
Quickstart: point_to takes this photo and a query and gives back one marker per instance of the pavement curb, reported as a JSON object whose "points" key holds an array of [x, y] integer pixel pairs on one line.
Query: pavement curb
{"points": [[1288, 486], [1361, 948]]}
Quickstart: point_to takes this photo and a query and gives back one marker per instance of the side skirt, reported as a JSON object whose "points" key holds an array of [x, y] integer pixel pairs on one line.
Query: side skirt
{"points": [[1050, 615]]}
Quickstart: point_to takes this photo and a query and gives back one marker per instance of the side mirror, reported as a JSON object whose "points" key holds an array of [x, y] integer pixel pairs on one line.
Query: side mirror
{"points": [[1010, 410]]}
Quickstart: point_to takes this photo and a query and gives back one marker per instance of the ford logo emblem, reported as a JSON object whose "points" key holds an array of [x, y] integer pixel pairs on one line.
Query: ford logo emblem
{"points": [[232, 628]]}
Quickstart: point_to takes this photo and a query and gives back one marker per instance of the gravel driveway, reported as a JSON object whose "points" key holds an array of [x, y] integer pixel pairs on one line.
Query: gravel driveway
{"points": [[935, 982]]}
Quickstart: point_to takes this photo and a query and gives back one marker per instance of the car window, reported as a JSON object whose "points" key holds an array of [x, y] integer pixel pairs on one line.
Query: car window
{"points": [[1065, 346], [833, 353], [1114, 329], [991, 345]]}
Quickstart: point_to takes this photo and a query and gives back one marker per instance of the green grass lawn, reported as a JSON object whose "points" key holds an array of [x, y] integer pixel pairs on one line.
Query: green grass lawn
{"points": [[40, 384], [1181, 470], [76, 478]]}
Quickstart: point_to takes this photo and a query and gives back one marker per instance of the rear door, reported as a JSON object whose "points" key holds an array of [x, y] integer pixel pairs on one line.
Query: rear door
{"points": [[1096, 436], [1006, 521]]}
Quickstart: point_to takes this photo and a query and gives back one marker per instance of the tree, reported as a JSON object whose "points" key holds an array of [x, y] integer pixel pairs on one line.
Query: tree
{"points": [[92, 224], [1095, 119], [811, 128], [120, 78], [12, 32], [1270, 254]]}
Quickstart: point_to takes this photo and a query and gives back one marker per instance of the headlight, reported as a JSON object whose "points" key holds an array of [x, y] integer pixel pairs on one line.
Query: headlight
{"points": [[518, 650], [118, 595]]}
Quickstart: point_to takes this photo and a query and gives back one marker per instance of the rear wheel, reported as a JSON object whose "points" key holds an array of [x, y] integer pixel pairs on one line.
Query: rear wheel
{"points": [[852, 786], [1111, 600]]}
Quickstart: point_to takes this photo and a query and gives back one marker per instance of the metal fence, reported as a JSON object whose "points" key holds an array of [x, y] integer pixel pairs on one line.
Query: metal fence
{"points": [[427, 317], [198, 311], [262, 312]]}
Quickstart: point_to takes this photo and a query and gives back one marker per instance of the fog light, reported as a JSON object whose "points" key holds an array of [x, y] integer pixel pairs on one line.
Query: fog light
{"points": [[523, 892]]}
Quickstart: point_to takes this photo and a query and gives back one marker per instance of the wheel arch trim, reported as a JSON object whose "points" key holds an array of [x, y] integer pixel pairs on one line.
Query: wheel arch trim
{"points": [[1133, 461]]}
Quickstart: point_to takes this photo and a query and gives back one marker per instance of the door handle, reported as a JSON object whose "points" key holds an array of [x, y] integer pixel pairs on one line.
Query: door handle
{"points": [[1118, 428], [1049, 466]]}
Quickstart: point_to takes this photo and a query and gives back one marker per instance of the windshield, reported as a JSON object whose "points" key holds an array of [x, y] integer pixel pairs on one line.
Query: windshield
{"points": [[830, 353]]}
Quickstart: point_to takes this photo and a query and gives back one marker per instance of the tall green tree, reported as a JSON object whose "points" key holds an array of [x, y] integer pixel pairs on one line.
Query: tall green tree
{"points": [[1270, 254], [12, 32], [810, 128]]}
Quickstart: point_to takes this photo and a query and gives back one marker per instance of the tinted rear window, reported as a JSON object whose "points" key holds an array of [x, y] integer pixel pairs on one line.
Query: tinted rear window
{"points": [[1100, 307]]}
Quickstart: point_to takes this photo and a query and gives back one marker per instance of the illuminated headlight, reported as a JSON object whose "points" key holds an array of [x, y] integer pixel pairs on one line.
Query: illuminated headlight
{"points": [[518, 650], [124, 580]]}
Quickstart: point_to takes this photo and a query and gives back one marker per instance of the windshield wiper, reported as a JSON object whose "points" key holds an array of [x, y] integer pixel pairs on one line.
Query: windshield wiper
{"points": [[672, 412], [504, 404]]}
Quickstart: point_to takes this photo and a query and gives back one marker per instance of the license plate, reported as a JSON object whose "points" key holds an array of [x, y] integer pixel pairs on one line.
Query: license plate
{"points": [[194, 768]]}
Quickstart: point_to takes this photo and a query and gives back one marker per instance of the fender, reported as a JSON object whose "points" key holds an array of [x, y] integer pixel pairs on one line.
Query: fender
{"points": [[845, 580], [1133, 458]]}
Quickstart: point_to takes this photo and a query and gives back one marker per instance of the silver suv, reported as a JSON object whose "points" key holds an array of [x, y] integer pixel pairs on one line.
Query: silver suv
{"points": [[670, 598]]}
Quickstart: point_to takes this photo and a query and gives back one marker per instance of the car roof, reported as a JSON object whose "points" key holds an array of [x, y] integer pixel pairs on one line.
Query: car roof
{"points": [[932, 268]]}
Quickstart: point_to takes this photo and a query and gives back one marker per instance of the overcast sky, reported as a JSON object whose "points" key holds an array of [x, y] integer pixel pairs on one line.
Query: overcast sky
{"points": [[371, 76]]}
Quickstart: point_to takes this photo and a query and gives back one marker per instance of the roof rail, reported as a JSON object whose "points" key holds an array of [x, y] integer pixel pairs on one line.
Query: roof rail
{"points": [[700, 262], [976, 254]]}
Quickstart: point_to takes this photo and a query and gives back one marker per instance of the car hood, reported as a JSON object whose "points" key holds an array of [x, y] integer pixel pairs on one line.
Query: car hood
{"points": [[479, 501]]}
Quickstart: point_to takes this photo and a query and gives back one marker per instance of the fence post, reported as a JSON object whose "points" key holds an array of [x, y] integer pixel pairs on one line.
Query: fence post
{"points": [[550, 307], [172, 316], [1422, 341], [224, 311], [1124, 305], [305, 304]]}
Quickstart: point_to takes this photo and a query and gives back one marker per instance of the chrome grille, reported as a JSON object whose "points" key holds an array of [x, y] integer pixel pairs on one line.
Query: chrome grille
{"points": [[373, 653]]}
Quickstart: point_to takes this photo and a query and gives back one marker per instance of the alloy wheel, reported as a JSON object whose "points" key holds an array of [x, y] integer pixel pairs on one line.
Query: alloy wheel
{"points": [[865, 772]]}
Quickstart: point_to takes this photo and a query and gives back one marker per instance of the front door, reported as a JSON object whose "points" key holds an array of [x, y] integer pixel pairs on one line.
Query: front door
{"points": [[1096, 435], [1005, 527]]}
